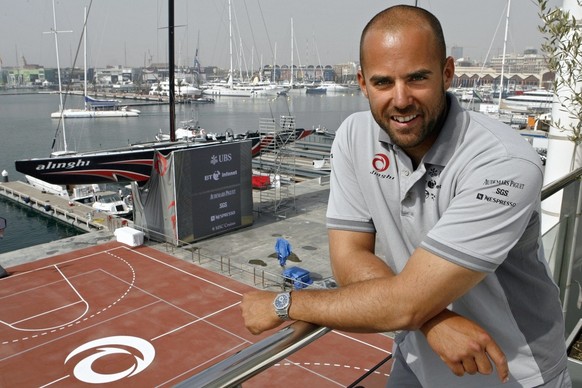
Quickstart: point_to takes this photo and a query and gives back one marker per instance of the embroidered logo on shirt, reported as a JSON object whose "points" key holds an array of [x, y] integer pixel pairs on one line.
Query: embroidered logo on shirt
{"points": [[485, 197], [380, 163], [432, 182], [504, 182]]}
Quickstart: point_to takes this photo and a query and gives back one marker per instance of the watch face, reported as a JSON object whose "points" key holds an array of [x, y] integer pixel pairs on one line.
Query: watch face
{"points": [[281, 301]]}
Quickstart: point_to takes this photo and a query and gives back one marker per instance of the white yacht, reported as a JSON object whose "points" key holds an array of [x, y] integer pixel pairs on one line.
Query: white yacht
{"points": [[181, 89], [538, 100]]}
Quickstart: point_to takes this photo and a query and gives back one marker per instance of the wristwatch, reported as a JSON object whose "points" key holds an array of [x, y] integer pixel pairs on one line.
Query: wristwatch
{"points": [[282, 303]]}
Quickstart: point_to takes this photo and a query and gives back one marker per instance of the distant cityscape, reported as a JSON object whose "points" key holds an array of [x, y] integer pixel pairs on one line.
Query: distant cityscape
{"points": [[525, 71]]}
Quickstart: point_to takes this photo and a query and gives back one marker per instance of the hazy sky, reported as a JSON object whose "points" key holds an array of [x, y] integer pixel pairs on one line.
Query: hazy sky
{"points": [[133, 33]]}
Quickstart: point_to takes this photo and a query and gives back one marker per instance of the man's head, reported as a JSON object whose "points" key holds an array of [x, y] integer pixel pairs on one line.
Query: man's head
{"points": [[401, 16], [405, 74]]}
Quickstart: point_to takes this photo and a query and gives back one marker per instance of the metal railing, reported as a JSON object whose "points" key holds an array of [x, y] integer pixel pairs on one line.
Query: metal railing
{"points": [[257, 357], [238, 368]]}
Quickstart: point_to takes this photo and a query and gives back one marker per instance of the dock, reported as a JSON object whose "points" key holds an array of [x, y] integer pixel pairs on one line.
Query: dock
{"points": [[76, 214]]}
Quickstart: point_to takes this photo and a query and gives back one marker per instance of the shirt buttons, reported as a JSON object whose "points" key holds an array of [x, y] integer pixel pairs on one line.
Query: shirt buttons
{"points": [[406, 173]]}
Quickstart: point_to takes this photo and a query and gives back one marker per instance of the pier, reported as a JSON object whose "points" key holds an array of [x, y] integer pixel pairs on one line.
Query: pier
{"points": [[76, 214]]}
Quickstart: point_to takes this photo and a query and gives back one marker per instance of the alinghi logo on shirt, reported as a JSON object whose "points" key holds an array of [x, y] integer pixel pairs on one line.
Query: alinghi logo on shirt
{"points": [[380, 162]]}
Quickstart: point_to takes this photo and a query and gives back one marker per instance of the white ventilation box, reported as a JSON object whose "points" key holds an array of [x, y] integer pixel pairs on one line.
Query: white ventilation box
{"points": [[129, 236]]}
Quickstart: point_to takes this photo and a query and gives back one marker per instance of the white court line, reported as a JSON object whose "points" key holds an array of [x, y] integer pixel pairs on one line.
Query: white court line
{"points": [[11, 325], [195, 321], [80, 318], [187, 273], [16, 275], [81, 300], [55, 381], [362, 342]]}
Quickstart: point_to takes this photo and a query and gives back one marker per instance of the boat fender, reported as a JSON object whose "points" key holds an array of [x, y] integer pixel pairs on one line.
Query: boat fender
{"points": [[47, 207], [26, 199]]}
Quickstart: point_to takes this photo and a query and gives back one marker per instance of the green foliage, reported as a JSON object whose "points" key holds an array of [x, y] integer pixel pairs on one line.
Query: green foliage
{"points": [[563, 48]]}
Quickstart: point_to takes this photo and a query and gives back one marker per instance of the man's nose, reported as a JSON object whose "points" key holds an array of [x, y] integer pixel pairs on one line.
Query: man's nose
{"points": [[401, 97]]}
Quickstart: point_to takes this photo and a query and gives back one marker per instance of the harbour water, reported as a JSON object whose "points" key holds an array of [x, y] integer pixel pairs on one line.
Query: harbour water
{"points": [[27, 131]]}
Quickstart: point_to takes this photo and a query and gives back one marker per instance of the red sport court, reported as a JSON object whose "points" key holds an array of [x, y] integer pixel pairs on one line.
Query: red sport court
{"points": [[119, 316]]}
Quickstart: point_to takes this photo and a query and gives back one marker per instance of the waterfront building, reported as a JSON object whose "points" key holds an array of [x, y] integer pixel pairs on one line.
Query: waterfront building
{"points": [[26, 76], [525, 71]]}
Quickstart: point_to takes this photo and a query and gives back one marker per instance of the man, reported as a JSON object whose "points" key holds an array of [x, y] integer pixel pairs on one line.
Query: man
{"points": [[453, 197]]}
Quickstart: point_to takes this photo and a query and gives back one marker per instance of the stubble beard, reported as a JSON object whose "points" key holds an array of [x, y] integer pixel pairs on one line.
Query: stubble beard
{"points": [[436, 116]]}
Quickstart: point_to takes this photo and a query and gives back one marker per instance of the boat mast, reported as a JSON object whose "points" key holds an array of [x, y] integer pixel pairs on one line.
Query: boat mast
{"points": [[171, 91], [503, 58], [85, 57], [61, 105], [291, 79], [230, 81]]}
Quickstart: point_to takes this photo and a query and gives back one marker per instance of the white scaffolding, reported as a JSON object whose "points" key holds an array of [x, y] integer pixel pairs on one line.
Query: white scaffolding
{"points": [[277, 162]]}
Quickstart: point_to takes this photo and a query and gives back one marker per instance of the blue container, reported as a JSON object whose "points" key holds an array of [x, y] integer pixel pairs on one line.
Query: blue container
{"points": [[298, 276]]}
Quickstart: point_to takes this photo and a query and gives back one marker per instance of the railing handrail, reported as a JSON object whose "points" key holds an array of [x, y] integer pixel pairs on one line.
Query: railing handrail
{"points": [[557, 185], [257, 357]]}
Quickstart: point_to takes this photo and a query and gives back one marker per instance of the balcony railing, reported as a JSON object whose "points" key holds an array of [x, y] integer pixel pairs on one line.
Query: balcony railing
{"points": [[563, 247]]}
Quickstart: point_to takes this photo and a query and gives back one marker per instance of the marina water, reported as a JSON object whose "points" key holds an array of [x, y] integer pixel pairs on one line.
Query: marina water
{"points": [[27, 131]]}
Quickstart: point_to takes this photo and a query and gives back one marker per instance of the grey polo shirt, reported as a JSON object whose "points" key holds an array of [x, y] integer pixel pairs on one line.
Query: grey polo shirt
{"points": [[474, 200]]}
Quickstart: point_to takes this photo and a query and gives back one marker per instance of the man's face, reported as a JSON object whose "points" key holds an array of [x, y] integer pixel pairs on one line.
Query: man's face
{"points": [[405, 83]]}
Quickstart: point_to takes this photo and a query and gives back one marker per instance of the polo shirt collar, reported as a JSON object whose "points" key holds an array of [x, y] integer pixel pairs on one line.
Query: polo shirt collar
{"points": [[451, 134]]}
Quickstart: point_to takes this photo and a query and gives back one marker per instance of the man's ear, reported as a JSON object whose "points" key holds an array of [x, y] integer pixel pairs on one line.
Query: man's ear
{"points": [[362, 83], [449, 72]]}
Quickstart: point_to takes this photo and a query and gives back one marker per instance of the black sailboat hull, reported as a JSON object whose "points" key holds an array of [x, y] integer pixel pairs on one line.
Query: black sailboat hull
{"points": [[133, 163]]}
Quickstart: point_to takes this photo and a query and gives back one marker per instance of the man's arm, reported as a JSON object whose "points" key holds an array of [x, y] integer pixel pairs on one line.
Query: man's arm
{"points": [[462, 344], [372, 299]]}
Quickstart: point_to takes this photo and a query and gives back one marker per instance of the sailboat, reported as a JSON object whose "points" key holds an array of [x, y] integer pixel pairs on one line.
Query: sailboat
{"points": [[93, 108], [135, 162], [257, 87], [228, 88]]}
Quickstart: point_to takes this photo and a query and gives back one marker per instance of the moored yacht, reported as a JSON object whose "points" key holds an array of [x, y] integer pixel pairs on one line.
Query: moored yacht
{"points": [[182, 88], [537, 100]]}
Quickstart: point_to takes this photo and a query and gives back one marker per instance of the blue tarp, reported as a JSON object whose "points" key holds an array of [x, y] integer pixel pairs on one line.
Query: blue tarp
{"points": [[283, 249]]}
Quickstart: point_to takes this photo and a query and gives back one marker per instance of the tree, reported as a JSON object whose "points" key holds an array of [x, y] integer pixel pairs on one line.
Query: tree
{"points": [[563, 48]]}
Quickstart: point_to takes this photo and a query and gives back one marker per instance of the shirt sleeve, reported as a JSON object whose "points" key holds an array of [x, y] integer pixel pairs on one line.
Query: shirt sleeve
{"points": [[346, 208], [495, 200]]}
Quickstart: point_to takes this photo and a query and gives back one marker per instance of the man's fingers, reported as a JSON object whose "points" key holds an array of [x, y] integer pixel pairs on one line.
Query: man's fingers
{"points": [[498, 357], [456, 367], [470, 366], [483, 364]]}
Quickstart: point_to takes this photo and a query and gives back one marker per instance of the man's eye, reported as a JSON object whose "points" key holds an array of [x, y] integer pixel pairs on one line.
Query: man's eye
{"points": [[382, 83]]}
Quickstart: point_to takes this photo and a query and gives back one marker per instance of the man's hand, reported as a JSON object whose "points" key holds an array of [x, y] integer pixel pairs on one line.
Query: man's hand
{"points": [[464, 346], [258, 311]]}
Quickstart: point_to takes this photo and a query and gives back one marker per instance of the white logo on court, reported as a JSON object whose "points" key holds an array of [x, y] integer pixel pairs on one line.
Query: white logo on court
{"points": [[105, 347]]}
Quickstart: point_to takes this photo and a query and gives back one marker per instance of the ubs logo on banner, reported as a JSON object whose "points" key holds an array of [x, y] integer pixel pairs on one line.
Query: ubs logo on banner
{"points": [[221, 158]]}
